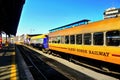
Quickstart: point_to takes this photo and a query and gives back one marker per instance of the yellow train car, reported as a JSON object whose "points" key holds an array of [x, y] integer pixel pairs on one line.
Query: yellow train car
{"points": [[97, 40]]}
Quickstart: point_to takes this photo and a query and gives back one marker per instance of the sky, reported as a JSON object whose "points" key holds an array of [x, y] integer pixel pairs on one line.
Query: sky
{"points": [[39, 16]]}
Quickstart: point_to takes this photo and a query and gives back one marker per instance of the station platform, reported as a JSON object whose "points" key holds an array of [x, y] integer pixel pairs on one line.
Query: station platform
{"points": [[8, 68], [12, 66]]}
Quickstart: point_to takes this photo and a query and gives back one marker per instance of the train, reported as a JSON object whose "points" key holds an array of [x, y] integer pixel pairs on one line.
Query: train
{"points": [[39, 41], [98, 40]]}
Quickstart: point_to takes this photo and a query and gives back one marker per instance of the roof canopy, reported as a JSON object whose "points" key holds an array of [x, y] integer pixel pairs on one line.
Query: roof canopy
{"points": [[10, 11]]}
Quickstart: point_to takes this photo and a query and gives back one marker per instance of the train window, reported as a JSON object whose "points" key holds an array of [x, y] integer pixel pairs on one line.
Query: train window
{"points": [[40, 40], [62, 39], [79, 39], [98, 38], [67, 39], [113, 38], [58, 39], [72, 39], [54, 40], [87, 39]]}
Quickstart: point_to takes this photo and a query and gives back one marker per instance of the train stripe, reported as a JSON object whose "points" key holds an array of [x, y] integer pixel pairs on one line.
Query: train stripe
{"points": [[116, 55]]}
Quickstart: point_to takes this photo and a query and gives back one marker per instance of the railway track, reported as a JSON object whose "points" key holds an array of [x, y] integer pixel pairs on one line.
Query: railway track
{"points": [[39, 69]]}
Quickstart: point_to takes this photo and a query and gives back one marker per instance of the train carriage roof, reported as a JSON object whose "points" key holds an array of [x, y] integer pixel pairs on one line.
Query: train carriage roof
{"points": [[39, 36], [102, 25], [81, 22]]}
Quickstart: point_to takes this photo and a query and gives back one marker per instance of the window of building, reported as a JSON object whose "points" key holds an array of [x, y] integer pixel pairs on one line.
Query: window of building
{"points": [[87, 39], [67, 39], [113, 38], [98, 38], [72, 39], [79, 39]]}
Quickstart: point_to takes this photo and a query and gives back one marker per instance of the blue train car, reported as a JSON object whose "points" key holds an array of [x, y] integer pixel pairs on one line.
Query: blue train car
{"points": [[40, 41]]}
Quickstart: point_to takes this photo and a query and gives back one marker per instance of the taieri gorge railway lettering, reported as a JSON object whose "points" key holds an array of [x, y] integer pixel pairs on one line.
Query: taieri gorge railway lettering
{"points": [[91, 52], [99, 53]]}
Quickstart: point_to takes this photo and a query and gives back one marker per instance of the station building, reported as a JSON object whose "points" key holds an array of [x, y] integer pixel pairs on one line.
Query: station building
{"points": [[111, 12]]}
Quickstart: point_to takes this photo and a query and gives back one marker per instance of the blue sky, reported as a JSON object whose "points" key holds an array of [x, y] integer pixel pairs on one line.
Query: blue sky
{"points": [[39, 16]]}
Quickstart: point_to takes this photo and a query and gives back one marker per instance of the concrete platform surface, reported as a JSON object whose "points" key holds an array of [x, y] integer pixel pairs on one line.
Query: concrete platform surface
{"points": [[8, 67]]}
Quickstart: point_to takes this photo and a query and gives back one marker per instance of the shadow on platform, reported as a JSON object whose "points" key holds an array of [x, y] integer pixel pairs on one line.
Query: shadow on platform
{"points": [[6, 59], [6, 55]]}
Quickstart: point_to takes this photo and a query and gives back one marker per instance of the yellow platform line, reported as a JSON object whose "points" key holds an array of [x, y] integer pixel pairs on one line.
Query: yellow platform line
{"points": [[13, 75]]}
